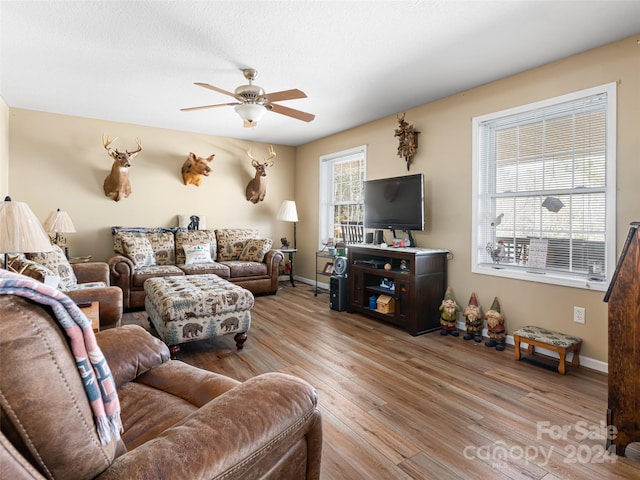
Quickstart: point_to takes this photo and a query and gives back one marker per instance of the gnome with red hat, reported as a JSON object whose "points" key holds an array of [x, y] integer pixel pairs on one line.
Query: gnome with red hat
{"points": [[449, 314], [495, 326], [473, 316]]}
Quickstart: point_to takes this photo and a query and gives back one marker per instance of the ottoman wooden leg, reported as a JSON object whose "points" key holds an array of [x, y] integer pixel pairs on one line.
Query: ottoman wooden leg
{"points": [[561, 366], [240, 338], [516, 346]]}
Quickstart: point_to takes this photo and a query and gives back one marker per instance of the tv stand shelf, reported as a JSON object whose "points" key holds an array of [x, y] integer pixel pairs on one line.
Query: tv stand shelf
{"points": [[419, 276]]}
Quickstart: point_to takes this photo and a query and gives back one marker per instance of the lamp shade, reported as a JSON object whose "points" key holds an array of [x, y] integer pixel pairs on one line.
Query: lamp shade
{"points": [[288, 211], [250, 112], [20, 229], [59, 222]]}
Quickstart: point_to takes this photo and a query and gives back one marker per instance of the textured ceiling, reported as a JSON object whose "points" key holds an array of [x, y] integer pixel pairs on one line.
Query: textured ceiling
{"points": [[358, 61]]}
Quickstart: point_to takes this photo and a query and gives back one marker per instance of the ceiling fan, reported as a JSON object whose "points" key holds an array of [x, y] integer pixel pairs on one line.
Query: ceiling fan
{"points": [[252, 101]]}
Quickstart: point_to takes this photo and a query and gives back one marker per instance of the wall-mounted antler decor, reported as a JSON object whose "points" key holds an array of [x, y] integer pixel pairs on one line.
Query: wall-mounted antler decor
{"points": [[408, 140], [257, 187], [195, 168], [116, 186]]}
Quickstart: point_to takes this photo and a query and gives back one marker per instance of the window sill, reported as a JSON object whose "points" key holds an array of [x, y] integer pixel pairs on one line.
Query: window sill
{"points": [[549, 277]]}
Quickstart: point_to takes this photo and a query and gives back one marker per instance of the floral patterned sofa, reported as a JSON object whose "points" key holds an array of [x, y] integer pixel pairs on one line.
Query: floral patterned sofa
{"points": [[238, 255]]}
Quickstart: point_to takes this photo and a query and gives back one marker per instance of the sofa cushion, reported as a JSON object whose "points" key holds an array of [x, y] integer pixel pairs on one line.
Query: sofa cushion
{"points": [[215, 268], [138, 249], [231, 242], [238, 268], [161, 240], [142, 273], [194, 237], [57, 262], [196, 254], [254, 250]]}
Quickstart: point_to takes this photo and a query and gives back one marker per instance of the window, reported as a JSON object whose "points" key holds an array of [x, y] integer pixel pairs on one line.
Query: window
{"points": [[544, 190], [342, 177]]}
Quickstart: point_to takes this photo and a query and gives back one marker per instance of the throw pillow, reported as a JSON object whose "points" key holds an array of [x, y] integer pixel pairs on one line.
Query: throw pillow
{"points": [[255, 250], [57, 262], [139, 251], [197, 254]]}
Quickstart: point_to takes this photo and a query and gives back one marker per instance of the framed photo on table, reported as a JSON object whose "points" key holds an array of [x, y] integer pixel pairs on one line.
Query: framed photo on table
{"points": [[328, 268]]}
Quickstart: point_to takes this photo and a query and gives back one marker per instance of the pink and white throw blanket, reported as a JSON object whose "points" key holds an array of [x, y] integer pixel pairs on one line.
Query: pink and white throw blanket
{"points": [[92, 366]]}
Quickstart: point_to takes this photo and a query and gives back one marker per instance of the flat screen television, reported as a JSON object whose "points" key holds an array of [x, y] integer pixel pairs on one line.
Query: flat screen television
{"points": [[395, 203]]}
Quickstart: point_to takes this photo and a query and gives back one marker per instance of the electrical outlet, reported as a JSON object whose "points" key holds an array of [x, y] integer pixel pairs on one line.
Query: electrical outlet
{"points": [[578, 314]]}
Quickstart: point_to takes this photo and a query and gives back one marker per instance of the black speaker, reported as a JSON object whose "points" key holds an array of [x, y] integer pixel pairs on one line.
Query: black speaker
{"points": [[379, 237], [369, 238], [338, 293]]}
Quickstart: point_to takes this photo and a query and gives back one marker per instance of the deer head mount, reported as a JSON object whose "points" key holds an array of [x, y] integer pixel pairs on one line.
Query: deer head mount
{"points": [[195, 168], [116, 186], [257, 187]]}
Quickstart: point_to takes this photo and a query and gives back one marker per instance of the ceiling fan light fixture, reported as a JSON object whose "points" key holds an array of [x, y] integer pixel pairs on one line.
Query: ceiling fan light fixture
{"points": [[250, 112]]}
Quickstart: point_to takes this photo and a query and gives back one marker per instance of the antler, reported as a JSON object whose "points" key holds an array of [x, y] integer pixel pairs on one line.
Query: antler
{"points": [[251, 156], [138, 150], [107, 144], [272, 154]]}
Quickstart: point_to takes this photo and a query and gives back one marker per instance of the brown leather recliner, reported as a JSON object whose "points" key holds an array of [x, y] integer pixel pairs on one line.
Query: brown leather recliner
{"points": [[109, 297], [180, 422]]}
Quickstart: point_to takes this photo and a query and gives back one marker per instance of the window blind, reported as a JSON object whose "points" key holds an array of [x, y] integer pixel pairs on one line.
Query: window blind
{"points": [[543, 177]]}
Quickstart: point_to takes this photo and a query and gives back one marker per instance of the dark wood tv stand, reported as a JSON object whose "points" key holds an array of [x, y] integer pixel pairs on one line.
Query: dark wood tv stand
{"points": [[418, 289]]}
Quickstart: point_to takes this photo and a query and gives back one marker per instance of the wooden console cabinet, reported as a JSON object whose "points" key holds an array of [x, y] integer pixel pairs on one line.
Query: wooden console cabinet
{"points": [[623, 297], [419, 276]]}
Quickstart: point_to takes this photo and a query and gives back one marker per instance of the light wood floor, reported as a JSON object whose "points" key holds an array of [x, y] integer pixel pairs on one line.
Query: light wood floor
{"points": [[429, 407]]}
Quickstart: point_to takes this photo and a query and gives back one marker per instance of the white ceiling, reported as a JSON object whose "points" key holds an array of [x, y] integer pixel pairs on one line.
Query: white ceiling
{"points": [[358, 61]]}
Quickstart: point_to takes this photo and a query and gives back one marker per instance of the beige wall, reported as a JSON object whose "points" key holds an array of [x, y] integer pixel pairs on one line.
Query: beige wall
{"points": [[58, 161], [444, 156]]}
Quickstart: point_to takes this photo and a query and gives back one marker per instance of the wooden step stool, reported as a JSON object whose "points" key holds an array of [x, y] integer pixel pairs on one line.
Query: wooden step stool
{"points": [[541, 337]]}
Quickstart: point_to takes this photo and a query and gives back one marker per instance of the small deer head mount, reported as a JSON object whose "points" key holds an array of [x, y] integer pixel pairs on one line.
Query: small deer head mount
{"points": [[257, 187], [116, 186], [195, 168]]}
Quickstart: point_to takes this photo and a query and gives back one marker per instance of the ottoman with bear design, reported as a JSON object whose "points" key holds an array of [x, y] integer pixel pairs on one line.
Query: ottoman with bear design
{"points": [[194, 307]]}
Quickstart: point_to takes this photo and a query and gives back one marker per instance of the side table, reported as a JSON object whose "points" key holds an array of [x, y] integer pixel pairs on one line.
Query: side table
{"points": [[92, 312], [290, 251]]}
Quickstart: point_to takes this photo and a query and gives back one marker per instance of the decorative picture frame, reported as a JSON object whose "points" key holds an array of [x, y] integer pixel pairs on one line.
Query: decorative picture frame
{"points": [[328, 268]]}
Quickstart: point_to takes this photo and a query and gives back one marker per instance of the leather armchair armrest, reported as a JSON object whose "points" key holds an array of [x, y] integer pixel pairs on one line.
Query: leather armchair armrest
{"points": [[277, 411], [131, 351], [110, 299], [273, 259], [120, 267], [91, 272]]}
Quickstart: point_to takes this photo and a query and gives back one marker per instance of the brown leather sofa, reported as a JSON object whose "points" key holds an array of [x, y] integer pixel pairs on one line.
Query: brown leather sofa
{"points": [[109, 297], [180, 422]]}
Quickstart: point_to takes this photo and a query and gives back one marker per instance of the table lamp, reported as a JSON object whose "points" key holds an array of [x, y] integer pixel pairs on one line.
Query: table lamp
{"points": [[59, 222], [20, 230]]}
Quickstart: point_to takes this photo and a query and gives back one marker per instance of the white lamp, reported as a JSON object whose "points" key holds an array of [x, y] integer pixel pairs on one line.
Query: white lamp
{"points": [[250, 112], [288, 213], [20, 230], [59, 222]]}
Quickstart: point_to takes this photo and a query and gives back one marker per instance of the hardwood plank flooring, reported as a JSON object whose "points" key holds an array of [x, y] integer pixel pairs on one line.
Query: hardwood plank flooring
{"points": [[429, 407]]}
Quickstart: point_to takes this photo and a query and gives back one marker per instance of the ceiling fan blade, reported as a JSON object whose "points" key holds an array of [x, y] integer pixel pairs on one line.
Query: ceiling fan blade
{"points": [[290, 112], [215, 89], [285, 95], [190, 109]]}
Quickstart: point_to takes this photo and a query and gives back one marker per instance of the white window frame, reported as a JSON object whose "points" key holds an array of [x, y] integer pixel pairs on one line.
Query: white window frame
{"points": [[478, 245], [327, 162]]}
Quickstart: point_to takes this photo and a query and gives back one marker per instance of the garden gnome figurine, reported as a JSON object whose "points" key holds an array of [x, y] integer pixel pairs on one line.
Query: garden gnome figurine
{"points": [[449, 314], [495, 326], [473, 316]]}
